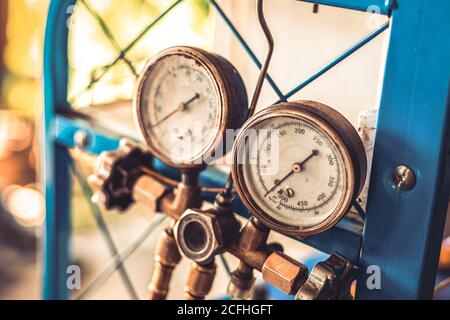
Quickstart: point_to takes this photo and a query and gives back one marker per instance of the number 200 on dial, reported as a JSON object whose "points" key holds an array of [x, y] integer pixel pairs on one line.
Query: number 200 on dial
{"points": [[298, 167]]}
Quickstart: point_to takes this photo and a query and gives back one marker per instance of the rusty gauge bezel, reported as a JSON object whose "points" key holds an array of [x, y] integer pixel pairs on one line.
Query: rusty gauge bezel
{"points": [[230, 92], [346, 141]]}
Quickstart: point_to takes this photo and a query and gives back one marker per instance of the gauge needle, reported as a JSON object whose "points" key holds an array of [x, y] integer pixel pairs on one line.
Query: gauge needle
{"points": [[182, 107], [296, 167]]}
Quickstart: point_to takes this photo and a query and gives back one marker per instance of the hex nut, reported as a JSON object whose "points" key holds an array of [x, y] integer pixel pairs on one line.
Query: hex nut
{"points": [[199, 235], [252, 237], [149, 192], [284, 272]]}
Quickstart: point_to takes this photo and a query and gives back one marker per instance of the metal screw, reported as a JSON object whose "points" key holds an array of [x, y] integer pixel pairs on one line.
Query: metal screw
{"points": [[404, 178], [81, 139], [290, 192]]}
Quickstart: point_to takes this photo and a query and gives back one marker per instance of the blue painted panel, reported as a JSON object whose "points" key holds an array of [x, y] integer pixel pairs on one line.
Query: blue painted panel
{"points": [[404, 229]]}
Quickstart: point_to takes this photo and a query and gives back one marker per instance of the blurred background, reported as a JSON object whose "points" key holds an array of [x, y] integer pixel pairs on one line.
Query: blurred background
{"points": [[307, 38]]}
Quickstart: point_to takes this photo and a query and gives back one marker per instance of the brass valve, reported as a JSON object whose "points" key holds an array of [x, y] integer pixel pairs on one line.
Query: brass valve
{"points": [[172, 204], [201, 235], [123, 177], [116, 174], [277, 269]]}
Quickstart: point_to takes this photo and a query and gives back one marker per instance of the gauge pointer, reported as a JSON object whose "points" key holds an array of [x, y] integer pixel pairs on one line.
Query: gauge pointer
{"points": [[182, 107], [296, 167]]}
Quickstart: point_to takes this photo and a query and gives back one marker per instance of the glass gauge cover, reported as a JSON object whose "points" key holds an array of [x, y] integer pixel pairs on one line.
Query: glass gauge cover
{"points": [[186, 99], [298, 167]]}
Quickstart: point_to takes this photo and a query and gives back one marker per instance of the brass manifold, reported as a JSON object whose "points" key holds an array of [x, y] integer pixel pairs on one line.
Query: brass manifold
{"points": [[223, 233], [200, 235]]}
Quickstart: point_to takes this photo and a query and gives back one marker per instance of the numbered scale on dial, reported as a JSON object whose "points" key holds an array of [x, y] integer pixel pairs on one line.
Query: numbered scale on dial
{"points": [[298, 167], [186, 98]]}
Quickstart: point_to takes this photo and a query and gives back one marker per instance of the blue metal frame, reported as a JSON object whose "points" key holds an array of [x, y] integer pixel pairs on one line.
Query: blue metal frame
{"points": [[403, 230], [55, 157]]}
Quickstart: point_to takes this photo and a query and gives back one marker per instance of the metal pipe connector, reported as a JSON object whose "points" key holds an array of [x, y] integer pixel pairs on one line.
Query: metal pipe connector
{"points": [[200, 281], [242, 283], [167, 257]]}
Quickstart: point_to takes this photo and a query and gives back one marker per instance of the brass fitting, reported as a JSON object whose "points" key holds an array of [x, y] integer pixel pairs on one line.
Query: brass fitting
{"points": [[187, 195], [198, 235], [277, 268], [200, 281], [149, 192], [242, 283], [201, 235], [167, 258], [284, 272], [250, 246], [250, 249]]}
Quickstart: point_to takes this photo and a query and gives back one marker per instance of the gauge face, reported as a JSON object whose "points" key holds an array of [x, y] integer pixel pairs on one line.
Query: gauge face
{"points": [[181, 106], [294, 171]]}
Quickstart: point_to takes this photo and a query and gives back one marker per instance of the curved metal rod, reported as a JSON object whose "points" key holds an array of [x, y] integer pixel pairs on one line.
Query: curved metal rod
{"points": [[262, 75]]}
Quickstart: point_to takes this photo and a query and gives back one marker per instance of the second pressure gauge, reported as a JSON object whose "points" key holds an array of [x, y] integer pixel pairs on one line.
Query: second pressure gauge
{"points": [[298, 167], [186, 99]]}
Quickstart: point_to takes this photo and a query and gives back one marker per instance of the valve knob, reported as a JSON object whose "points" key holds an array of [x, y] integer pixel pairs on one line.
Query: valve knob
{"points": [[329, 280], [116, 173]]}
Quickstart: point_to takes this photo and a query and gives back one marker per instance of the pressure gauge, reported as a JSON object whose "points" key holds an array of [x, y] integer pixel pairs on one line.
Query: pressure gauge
{"points": [[298, 167], [186, 99]]}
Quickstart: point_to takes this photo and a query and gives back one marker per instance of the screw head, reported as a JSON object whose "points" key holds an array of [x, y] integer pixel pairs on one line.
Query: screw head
{"points": [[290, 192], [81, 139], [404, 178]]}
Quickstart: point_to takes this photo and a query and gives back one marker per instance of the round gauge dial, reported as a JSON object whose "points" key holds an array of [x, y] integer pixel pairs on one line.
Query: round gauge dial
{"points": [[186, 99], [298, 167]]}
